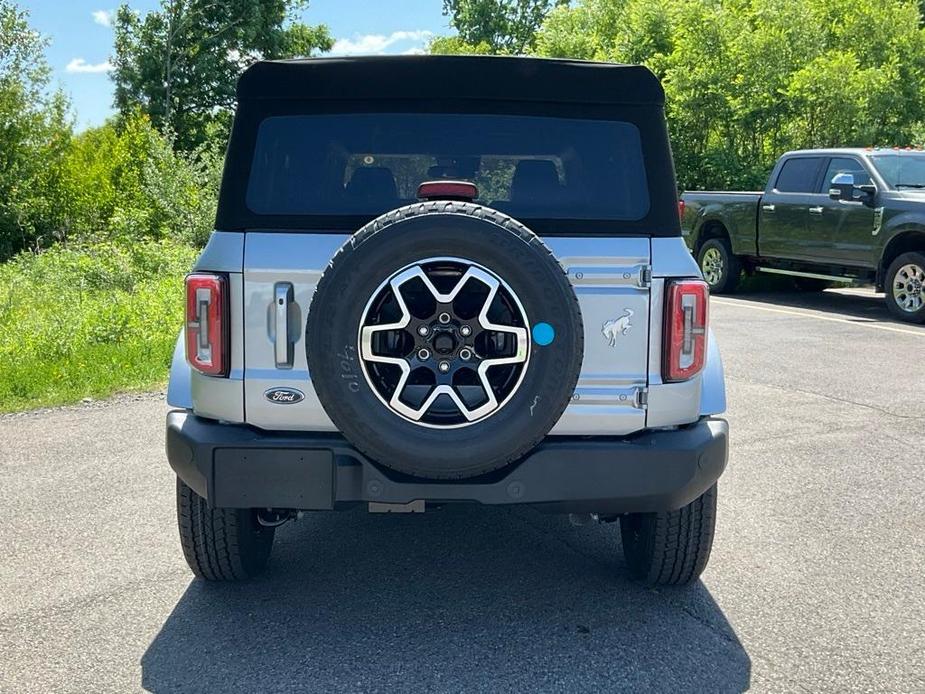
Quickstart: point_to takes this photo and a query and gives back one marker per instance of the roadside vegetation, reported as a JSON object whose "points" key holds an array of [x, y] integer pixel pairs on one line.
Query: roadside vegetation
{"points": [[98, 227], [97, 241], [86, 320]]}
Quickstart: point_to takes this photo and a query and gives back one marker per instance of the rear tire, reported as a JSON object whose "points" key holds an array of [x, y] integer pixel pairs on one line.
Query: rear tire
{"points": [[721, 269], [905, 293], [221, 544], [670, 548]]}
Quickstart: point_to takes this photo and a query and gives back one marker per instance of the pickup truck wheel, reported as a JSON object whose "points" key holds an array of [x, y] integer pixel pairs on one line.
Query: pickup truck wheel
{"points": [[905, 287], [670, 548], [721, 269], [444, 340], [221, 544]]}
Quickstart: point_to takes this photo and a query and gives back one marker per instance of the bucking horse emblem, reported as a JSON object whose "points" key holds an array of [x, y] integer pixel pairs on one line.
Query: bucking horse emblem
{"points": [[618, 326]]}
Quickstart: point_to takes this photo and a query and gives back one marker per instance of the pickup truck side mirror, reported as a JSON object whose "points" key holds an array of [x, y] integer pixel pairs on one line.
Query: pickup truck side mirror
{"points": [[844, 188]]}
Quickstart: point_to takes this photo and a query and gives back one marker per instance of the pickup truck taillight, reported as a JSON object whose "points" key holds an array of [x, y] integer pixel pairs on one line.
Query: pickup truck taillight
{"points": [[207, 323], [685, 334]]}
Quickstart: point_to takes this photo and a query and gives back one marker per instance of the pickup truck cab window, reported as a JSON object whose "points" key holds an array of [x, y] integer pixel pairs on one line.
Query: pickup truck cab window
{"points": [[798, 175], [850, 165]]}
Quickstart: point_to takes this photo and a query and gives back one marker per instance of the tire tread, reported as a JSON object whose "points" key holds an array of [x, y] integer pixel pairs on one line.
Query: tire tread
{"points": [[211, 539], [671, 548]]}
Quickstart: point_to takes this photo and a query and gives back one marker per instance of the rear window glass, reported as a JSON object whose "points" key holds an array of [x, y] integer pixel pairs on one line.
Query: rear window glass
{"points": [[530, 167], [798, 175]]}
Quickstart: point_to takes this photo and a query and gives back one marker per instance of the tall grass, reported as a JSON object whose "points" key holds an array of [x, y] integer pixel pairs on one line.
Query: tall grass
{"points": [[88, 320]]}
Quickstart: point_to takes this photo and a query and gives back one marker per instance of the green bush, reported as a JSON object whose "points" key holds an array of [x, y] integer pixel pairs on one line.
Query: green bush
{"points": [[123, 181], [89, 320], [119, 182]]}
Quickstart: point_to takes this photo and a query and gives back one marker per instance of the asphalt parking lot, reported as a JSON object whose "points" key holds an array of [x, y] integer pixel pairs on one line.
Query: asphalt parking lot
{"points": [[816, 581]]}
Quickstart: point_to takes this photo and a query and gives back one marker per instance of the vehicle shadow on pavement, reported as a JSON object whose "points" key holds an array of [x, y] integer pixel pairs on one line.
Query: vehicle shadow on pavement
{"points": [[455, 599], [862, 305]]}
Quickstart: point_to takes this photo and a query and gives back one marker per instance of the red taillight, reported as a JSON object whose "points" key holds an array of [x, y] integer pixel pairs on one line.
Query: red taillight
{"points": [[206, 323], [686, 322], [681, 210]]}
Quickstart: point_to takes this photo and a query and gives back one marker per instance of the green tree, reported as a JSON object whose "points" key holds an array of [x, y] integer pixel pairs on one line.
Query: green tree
{"points": [[124, 182], [179, 64], [748, 79], [504, 26], [454, 45], [570, 33], [34, 131]]}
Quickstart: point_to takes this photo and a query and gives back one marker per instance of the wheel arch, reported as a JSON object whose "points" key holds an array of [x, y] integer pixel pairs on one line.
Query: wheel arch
{"points": [[179, 386], [710, 228], [904, 241], [713, 383]]}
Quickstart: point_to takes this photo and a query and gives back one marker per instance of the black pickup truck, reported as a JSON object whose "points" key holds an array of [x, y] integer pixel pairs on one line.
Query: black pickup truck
{"points": [[827, 215]]}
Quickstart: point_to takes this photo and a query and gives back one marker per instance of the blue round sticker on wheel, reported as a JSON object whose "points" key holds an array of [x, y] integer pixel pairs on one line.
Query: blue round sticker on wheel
{"points": [[543, 334]]}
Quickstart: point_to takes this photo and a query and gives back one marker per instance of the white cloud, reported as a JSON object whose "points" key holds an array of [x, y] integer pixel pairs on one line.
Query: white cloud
{"points": [[377, 44], [103, 17], [81, 65]]}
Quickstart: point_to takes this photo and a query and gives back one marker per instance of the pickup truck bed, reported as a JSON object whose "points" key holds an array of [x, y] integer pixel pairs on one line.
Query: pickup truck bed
{"points": [[737, 208]]}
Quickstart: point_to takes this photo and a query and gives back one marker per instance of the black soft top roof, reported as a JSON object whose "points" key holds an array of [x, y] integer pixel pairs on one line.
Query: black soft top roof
{"points": [[457, 77]]}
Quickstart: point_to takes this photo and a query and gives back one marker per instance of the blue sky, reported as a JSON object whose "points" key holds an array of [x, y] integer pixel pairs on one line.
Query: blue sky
{"points": [[81, 40]]}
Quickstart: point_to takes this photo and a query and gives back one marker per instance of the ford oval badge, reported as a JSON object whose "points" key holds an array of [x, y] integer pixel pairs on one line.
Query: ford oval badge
{"points": [[284, 396]]}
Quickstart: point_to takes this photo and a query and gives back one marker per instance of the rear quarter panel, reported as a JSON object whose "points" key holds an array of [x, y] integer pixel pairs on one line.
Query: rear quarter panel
{"points": [[736, 212], [217, 398]]}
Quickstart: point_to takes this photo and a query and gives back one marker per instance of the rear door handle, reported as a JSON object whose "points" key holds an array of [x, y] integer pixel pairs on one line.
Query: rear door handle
{"points": [[282, 300], [815, 210], [767, 208]]}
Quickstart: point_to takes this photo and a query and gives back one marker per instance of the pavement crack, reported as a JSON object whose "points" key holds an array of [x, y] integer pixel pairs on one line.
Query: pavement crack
{"points": [[832, 398], [64, 607]]}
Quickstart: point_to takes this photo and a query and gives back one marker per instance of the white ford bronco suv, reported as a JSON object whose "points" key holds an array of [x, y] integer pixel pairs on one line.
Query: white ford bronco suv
{"points": [[439, 280]]}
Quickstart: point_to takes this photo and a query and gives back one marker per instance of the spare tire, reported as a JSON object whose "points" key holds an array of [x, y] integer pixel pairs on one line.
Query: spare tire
{"points": [[444, 340]]}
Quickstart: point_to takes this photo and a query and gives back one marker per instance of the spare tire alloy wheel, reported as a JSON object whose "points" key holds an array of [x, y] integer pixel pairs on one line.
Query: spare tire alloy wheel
{"points": [[444, 340], [444, 344]]}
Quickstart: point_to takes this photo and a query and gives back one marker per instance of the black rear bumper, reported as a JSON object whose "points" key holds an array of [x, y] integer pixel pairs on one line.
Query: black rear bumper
{"points": [[238, 466]]}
